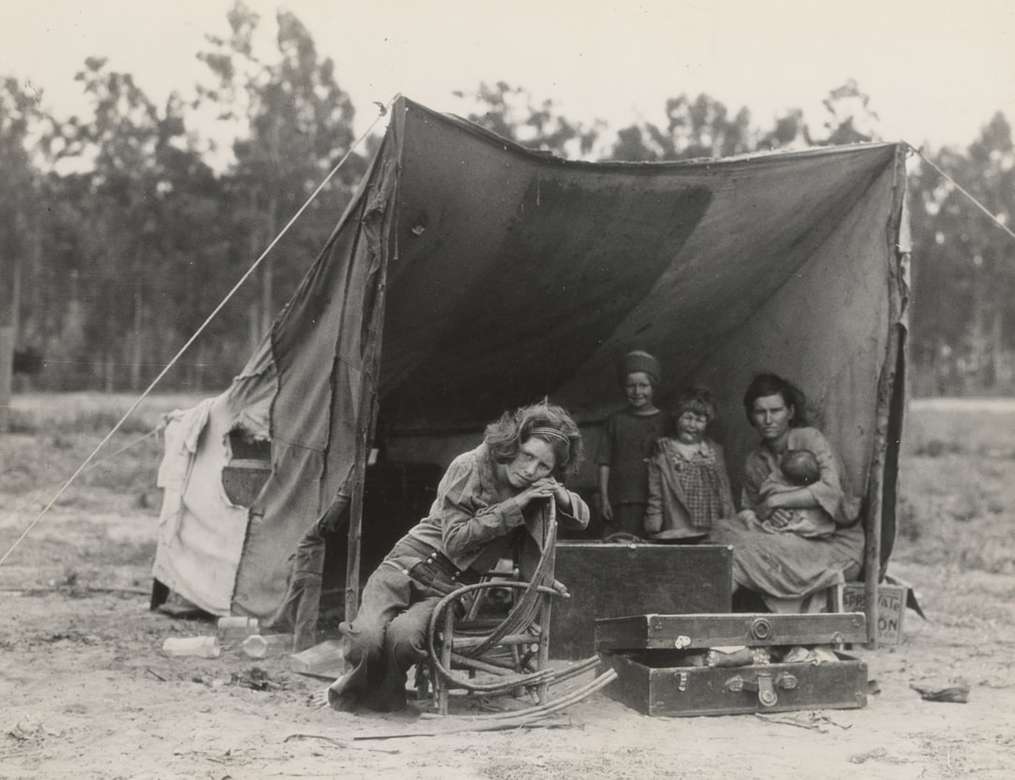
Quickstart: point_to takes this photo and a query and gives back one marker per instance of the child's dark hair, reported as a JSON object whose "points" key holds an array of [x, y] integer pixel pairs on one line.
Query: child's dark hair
{"points": [[544, 421]]}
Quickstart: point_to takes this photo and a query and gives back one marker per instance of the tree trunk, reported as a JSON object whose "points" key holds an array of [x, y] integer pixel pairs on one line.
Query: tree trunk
{"points": [[996, 349], [109, 370], [32, 322], [979, 333], [6, 374], [253, 324], [268, 269], [10, 305], [137, 340], [271, 229], [267, 295], [253, 310], [198, 383]]}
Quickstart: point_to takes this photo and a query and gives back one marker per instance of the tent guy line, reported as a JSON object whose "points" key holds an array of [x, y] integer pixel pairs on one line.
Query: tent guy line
{"points": [[382, 112], [963, 190]]}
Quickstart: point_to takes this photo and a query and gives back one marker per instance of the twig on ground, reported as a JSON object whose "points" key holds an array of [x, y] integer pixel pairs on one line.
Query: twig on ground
{"points": [[78, 590], [790, 722], [338, 743], [497, 725], [19, 752], [155, 674], [815, 721]]}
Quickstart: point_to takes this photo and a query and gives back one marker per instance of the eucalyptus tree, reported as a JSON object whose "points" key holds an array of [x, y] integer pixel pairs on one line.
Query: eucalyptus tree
{"points": [[293, 123], [964, 266], [695, 127], [19, 118], [515, 113]]}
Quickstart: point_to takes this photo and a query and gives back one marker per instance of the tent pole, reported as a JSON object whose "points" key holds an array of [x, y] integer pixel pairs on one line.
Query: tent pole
{"points": [[378, 226], [886, 392], [352, 562], [872, 552], [365, 428]]}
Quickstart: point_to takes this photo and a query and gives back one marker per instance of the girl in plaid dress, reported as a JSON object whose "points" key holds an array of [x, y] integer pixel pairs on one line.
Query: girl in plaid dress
{"points": [[688, 486]]}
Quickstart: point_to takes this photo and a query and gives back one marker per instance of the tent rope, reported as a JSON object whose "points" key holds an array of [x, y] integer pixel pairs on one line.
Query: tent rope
{"points": [[963, 190], [106, 458], [382, 112]]}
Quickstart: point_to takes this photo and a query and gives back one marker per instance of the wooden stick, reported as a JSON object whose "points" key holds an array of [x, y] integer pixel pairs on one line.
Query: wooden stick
{"points": [[886, 391], [338, 743], [481, 666], [85, 589], [369, 381], [499, 725]]}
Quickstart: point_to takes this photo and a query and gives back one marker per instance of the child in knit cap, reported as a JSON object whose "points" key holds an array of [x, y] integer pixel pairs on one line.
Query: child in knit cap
{"points": [[626, 443]]}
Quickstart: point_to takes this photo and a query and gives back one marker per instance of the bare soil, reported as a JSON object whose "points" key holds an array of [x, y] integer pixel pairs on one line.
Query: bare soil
{"points": [[87, 692]]}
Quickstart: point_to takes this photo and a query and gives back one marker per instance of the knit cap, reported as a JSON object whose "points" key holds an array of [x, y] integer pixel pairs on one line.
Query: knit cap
{"points": [[639, 360]]}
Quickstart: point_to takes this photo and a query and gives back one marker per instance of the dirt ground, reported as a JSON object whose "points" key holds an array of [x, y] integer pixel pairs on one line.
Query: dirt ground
{"points": [[87, 692]]}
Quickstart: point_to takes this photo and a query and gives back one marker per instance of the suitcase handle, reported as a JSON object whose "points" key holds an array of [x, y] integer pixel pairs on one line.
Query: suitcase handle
{"points": [[763, 685]]}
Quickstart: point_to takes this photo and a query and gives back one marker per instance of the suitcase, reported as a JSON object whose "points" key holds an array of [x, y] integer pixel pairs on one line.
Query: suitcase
{"points": [[659, 660], [611, 580]]}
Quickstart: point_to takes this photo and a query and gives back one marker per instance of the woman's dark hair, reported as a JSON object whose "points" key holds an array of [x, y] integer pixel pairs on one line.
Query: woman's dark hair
{"points": [[773, 384], [544, 421], [695, 399]]}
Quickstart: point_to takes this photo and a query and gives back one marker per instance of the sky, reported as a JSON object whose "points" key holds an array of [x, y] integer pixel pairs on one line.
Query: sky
{"points": [[936, 71]]}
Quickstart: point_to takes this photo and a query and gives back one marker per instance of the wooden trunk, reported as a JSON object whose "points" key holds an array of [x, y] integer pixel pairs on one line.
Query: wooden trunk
{"points": [[662, 667], [614, 580], [648, 682]]}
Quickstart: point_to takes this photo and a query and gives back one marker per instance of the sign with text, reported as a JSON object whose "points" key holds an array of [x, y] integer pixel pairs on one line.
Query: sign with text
{"points": [[891, 609]]}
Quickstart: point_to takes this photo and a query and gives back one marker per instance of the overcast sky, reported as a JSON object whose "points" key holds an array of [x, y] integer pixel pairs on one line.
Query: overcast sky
{"points": [[936, 70]]}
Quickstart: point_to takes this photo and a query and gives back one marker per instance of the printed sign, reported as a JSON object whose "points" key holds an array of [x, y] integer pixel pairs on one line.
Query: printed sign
{"points": [[891, 609]]}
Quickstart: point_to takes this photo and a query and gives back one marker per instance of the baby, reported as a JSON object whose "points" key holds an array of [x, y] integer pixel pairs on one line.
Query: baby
{"points": [[797, 469], [800, 467]]}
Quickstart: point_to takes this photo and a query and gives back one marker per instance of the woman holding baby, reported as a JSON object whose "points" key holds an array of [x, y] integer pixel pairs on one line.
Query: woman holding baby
{"points": [[797, 531]]}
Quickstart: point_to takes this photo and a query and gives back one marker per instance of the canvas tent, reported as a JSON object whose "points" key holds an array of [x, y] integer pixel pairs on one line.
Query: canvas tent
{"points": [[470, 275]]}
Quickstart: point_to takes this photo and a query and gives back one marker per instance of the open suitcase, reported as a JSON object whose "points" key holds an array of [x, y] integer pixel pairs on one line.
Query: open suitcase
{"points": [[670, 578], [660, 663]]}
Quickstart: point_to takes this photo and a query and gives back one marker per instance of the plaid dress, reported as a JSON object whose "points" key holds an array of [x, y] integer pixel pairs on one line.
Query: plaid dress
{"points": [[699, 477]]}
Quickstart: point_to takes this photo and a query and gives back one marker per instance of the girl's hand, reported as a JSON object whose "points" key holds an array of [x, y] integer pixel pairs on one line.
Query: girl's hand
{"points": [[545, 488], [606, 509], [562, 496], [541, 488]]}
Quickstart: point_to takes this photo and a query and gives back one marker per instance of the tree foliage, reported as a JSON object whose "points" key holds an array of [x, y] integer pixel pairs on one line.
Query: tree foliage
{"points": [[513, 112], [296, 123], [964, 315], [702, 127], [129, 227]]}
